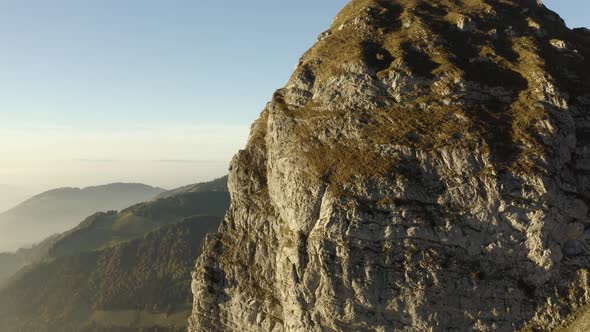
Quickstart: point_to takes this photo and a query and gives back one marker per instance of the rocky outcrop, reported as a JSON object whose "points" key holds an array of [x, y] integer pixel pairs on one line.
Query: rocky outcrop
{"points": [[427, 167]]}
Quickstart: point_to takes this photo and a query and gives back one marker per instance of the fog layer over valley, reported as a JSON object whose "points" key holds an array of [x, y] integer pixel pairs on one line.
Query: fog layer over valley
{"points": [[57, 210]]}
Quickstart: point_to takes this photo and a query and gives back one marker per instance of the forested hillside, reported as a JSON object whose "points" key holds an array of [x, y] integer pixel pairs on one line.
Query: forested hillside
{"points": [[144, 283], [115, 271]]}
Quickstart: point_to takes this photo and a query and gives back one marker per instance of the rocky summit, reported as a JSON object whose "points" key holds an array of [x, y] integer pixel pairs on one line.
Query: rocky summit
{"points": [[426, 168]]}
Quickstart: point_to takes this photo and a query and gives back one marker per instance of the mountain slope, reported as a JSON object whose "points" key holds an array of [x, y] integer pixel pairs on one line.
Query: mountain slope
{"points": [[144, 283], [106, 274], [425, 168], [11, 195], [211, 186], [60, 209], [105, 229], [11, 262]]}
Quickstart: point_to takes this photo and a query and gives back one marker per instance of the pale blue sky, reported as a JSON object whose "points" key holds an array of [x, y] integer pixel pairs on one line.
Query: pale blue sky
{"points": [[134, 82], [97, 63]]}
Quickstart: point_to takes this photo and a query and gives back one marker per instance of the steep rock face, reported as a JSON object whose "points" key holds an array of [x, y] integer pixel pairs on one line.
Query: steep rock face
{"points": [[427, 167]]}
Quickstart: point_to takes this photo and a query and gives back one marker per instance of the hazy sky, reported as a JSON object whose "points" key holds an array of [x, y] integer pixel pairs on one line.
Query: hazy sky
{"points": [[160, 92]]}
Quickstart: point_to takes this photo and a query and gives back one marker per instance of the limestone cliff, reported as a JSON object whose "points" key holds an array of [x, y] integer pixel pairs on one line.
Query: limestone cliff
{"points": [[426, 168]]}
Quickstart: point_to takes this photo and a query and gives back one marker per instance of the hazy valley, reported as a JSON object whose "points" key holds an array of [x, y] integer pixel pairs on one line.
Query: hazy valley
{"points": [[57, 210], [115, 270]]}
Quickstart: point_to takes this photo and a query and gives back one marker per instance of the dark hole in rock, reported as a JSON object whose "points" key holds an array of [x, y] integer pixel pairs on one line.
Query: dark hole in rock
{"points": [[426, 9], [388, 17], [503, 46], [419, 62], [375, 56], [413, 137], [485, 72], [526, 287]]}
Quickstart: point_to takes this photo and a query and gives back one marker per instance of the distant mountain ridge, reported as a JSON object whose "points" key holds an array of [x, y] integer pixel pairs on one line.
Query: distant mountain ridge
{"points": [[104, 229], [217, 185], [11, 195], [115, 271], [57, 210]]}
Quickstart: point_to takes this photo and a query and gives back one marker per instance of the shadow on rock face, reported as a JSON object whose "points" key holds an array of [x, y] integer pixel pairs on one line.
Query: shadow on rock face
{"points": [[492, 116], [388, 18], [375, 56], [419, 62]]}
